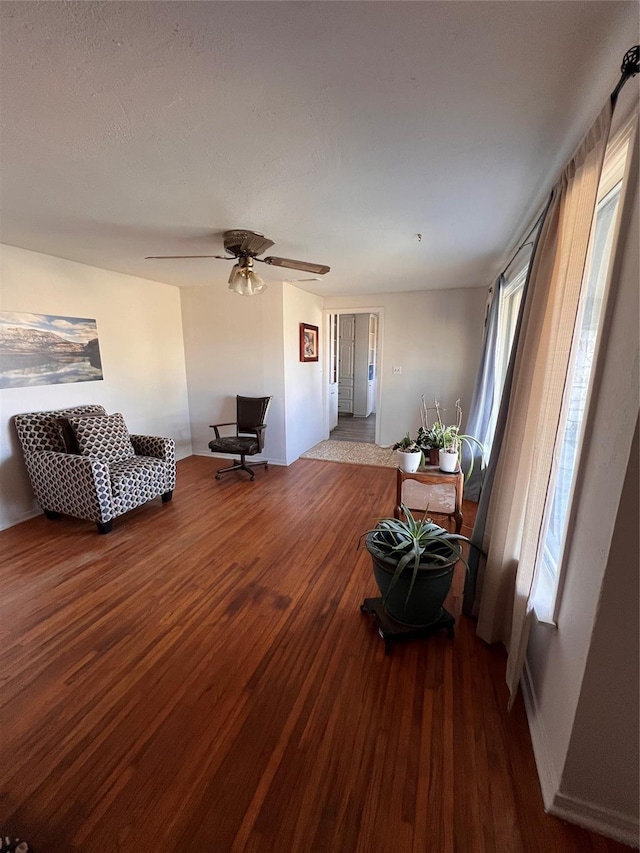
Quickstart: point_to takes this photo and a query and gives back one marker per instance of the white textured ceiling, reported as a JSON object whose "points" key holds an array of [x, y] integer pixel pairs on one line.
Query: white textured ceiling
{"points": [[340, 130]]}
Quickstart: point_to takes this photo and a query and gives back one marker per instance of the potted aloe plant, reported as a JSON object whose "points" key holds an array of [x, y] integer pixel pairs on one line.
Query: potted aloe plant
{"points": [[413, 564], [409, 454]]}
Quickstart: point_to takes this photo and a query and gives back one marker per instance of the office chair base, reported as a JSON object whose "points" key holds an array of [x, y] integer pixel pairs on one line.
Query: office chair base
{"points": [[242, 465]]}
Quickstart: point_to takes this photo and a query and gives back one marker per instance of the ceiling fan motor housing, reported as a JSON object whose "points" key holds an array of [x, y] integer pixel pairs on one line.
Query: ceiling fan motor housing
{"points": [[241, 243]]}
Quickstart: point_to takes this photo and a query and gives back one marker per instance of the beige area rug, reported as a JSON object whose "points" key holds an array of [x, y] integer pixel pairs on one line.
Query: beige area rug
{"points": [[356, 452]]}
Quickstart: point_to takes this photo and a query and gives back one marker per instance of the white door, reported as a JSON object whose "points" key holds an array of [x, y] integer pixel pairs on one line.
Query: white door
{"points": [[333, 371], [346, 350]]}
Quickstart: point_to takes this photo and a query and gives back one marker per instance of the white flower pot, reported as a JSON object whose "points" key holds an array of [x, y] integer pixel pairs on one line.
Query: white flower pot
{"points": [[408, 461], [448, 461]]}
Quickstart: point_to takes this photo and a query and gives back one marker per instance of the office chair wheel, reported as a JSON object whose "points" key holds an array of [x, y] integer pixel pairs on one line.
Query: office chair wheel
{"points": [[252, 478], [217, 476]]}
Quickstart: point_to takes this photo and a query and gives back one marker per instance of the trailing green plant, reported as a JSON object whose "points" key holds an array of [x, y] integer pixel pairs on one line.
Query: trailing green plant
{"points": [[412, 542]]}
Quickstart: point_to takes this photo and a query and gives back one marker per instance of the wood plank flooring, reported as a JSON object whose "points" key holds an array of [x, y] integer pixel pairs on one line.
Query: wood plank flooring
{"points": [[201, 680], [355, 429]]}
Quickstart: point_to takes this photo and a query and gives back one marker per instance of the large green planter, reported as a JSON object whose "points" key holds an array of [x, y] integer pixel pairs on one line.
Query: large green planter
{"points": [[430, 589]]}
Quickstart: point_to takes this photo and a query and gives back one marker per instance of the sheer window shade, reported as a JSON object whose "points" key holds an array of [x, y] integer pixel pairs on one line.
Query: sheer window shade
{"points": [[516, 504]]}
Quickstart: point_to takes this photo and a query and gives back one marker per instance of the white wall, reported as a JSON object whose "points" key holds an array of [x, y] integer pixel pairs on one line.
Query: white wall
{"points": [[435, 336], [303, 380], [575, 674], [602, 758], [234, 345], [140, 333]]}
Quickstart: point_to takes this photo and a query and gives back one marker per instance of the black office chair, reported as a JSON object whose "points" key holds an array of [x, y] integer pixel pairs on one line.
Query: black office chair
{"points": [[250, 424]]}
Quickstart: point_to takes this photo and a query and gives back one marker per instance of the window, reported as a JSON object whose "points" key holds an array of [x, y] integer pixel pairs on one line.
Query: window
{"points": [[508, 310], [585, 344]]}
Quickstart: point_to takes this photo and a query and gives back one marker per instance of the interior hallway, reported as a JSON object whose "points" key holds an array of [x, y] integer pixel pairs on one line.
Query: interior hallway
{"points": [[355, 429]]}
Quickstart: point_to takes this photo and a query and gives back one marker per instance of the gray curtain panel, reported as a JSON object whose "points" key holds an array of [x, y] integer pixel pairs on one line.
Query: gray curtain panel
{"points": [[482, 400]]}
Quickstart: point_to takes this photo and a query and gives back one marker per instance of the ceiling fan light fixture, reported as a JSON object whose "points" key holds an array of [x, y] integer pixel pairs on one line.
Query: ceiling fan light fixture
{"points": [[244, 280]]}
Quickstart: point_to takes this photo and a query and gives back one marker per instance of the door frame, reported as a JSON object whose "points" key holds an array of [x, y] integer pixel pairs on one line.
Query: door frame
{"points": [[326, 332]]}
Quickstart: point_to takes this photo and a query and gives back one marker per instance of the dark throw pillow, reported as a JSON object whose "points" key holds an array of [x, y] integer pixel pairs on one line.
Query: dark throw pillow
{"points": [[104, 437]]}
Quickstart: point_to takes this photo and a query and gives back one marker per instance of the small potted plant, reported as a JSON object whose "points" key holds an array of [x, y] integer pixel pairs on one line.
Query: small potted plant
{"points": [[413, 564], [409, 454], [452, 441], [431, 439]]}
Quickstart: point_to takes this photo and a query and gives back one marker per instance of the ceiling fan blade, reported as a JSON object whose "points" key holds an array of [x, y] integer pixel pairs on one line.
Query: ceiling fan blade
{"points": [[290, 264], [171, 257]]}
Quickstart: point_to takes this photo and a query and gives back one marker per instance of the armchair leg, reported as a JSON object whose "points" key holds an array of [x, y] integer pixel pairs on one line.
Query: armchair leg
{"points": [[166, 497], [104, 526], [51, 514]]}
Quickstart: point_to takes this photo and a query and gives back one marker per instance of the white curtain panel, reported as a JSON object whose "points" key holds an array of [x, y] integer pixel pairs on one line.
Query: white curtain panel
{"points": [[516, 506]]}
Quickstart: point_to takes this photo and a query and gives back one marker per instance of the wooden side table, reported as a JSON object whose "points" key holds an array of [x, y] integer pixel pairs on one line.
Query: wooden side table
{"points": [[430, 487]]}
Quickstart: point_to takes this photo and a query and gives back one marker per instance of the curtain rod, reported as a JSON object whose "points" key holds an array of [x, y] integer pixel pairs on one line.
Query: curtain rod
{"points": [[525, 242], [629, 68]]}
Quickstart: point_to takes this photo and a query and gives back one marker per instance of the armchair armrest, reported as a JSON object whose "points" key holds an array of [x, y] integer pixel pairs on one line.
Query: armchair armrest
{"points": [[71, 484], [259, 430], [154, 445], [159, 448], [215, 428]]}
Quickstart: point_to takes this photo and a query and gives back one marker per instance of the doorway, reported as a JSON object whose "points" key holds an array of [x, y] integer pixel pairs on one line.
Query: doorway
{"points": [[353, 391]]}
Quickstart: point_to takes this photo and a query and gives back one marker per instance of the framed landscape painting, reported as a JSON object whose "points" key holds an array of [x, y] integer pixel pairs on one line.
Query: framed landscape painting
{"points": [[308, 342], [44, 349]]}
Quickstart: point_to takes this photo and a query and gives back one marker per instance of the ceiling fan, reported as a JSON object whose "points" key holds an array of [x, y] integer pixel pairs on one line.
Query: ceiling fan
{"points": [[244, 246]]}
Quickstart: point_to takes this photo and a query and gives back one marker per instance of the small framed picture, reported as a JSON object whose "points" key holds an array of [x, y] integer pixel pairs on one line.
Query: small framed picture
{"points": [[308, 342]]}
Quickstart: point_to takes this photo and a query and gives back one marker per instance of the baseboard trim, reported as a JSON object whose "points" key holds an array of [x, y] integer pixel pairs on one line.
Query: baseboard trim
{"points": [[208, 454], [548, 774], [25, 516], [607, 822]]}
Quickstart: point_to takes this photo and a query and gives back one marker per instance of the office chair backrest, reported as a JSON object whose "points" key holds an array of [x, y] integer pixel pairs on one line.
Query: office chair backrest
{"points": [[251, 412]]}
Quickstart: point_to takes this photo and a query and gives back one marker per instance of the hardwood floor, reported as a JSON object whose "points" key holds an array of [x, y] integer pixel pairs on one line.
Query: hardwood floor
{"points": [[355, 429], [201, 680]]}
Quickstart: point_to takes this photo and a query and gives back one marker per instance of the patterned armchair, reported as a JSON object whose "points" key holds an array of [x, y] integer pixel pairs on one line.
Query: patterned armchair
{"points": [[83, 462]]}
